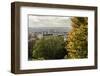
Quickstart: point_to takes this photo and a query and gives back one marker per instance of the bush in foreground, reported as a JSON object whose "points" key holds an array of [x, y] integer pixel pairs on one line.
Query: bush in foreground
{"points": [[49, 47]]}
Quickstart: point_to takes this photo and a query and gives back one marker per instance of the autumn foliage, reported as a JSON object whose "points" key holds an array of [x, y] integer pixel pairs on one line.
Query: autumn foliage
{"points": [[76, 44]]}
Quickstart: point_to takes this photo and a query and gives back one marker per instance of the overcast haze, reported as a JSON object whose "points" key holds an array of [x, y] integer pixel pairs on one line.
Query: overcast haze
{"points": [[49, 21]]}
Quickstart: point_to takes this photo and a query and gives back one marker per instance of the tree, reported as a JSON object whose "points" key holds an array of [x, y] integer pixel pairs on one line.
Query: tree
{"points": [[77, 40], [50, 47]]}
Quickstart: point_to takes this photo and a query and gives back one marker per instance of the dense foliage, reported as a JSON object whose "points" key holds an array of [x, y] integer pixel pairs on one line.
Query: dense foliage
{"points": [[76, 43], [49, 47]]}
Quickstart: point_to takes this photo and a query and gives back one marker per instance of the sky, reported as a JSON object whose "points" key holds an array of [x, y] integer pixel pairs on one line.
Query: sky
{"points": [[48, 21]]}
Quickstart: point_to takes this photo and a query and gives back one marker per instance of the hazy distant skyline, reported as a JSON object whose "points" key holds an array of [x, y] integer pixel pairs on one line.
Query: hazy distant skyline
{"points": [[48, 21]]}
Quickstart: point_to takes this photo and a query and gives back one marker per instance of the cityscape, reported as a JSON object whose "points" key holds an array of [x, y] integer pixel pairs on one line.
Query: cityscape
{"points": [[45, 31]]}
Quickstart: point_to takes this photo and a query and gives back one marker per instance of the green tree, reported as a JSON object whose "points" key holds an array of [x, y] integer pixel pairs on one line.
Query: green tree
{"points": [[76, 44], [50, 47]]}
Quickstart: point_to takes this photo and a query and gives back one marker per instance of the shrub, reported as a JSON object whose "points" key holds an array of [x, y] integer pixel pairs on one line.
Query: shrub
{"points": [[49, 47]]}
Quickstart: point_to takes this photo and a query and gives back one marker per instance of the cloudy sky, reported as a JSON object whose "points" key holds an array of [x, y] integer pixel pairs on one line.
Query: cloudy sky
{"points": [[49, 21]]}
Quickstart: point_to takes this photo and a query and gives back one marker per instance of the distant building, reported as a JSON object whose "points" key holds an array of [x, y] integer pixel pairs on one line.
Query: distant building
{"points": [[40, 36]]}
